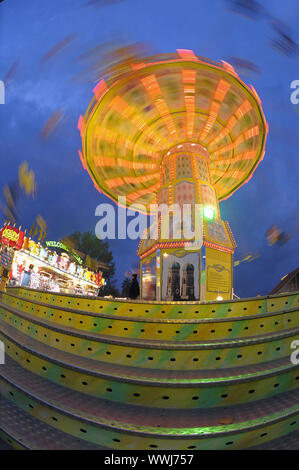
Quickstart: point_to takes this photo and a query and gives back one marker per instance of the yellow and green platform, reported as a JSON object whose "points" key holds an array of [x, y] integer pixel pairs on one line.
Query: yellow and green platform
{"points": [[92, 373]]}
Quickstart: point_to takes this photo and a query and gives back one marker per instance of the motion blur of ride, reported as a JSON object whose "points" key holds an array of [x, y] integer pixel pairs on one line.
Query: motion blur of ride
{"points": [[276, 235]]}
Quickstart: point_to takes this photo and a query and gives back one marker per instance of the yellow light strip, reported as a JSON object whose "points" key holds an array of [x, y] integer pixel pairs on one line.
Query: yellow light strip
{"points": [[166, 116], [151, 85], [120, 162], [196, 175], [220, 93], [238, 114], [190, 115], [104, 161], [214, 109], [248, 134], [189, 79], [141, 179], [137, 194], [236, 158], [128, 112], [230, 173], [116, 182], [189, 76]]}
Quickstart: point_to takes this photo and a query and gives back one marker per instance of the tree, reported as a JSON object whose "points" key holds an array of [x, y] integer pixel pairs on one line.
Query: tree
{"points": [[88, 244], [125, 287]]}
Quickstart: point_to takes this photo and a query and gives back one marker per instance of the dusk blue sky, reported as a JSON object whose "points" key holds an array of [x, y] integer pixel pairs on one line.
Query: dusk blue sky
{"points": [[66, 196]]}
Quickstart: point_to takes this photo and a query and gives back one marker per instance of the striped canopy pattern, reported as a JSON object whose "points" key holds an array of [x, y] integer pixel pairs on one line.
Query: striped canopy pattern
{"points": [[135, 118]]}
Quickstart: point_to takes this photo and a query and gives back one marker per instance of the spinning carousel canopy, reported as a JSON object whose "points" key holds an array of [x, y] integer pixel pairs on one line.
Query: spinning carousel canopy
{"points": [[135, 118]]}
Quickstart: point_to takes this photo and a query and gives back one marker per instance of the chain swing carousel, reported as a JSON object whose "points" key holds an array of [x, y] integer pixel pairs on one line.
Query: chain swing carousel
{"points": [[178, 130], [186, 367]]}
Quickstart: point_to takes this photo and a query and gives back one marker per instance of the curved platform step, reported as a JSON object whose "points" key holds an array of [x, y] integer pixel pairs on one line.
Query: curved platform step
{"points": [[144, 386], [176, 310], [145, 328], [109, 413], [10, 297], [151, 344], [22, 431], [153, 354], [139, 375], [288, 442], [103, 421]]}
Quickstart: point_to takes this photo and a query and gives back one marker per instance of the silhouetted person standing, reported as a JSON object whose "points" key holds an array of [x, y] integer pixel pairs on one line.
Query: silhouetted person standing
{"points": [[134, 288]]}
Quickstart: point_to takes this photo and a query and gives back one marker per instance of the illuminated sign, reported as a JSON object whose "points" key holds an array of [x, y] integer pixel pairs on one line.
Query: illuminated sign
{"points": [[57, 245], [62, 246], [11, 236]]}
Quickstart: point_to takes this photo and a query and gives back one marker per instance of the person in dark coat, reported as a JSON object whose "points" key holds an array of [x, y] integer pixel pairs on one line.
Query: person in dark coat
{"points": [[134, 288]]}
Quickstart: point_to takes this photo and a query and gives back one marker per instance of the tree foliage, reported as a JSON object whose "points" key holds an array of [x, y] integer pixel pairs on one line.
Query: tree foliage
{"points": [[90, 245], [125, 287]]}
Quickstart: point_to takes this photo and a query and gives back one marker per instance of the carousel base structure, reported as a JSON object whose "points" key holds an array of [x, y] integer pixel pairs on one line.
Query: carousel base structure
{"points": [[91, 373]]}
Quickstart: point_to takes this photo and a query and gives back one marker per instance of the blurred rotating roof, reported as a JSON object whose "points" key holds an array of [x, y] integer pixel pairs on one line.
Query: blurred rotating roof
{"points": [[137, 116]]}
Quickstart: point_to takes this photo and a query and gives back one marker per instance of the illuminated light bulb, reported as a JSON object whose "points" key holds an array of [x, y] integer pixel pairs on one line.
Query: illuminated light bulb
{"points": [[165, 255], [219, 297], [209, 213]]}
